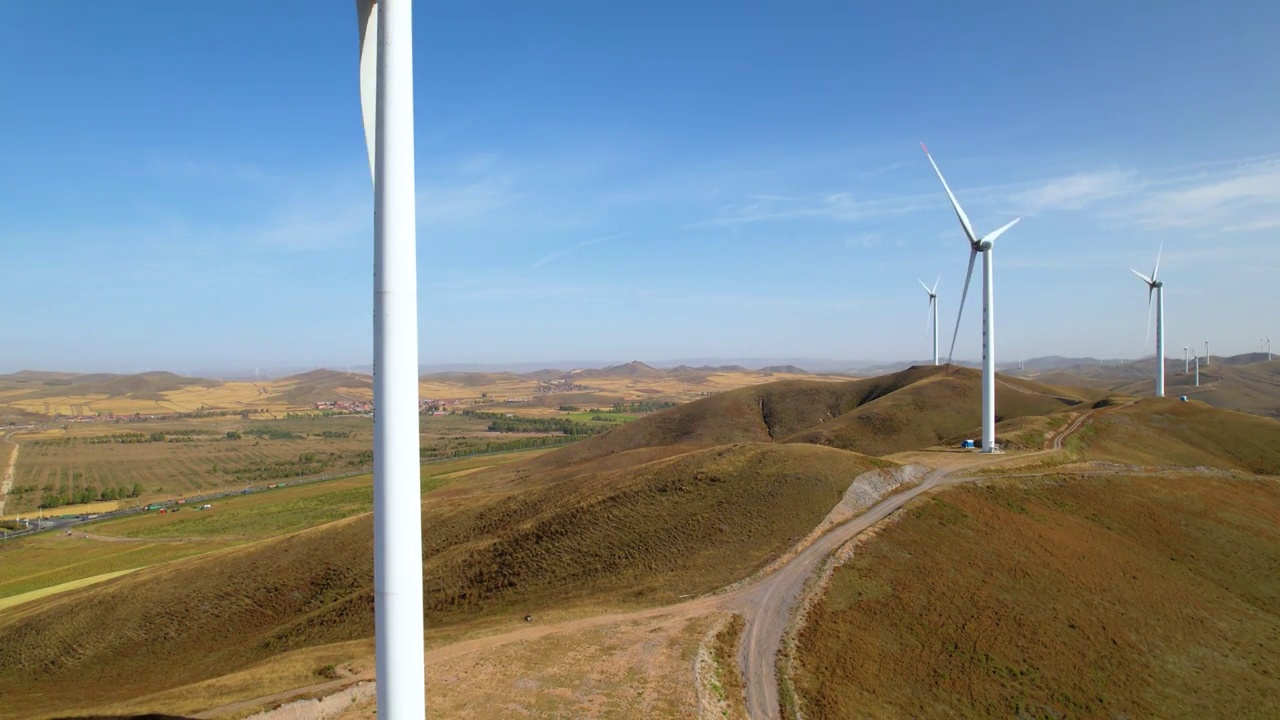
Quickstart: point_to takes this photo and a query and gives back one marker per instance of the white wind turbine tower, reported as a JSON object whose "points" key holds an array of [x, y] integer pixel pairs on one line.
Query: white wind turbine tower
{"points": [[1154, 285], [933, 310], [1186, 360], [1268, 348], [979, 245], [386, 100]]}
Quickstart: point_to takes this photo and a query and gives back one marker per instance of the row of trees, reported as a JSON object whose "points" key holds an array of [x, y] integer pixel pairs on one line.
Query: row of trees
{"points": [[516, 444], [544, 425], [89, 493]]}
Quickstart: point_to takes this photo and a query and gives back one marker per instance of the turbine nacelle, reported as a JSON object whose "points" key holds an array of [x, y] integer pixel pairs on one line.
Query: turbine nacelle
{"points": [[976, 244]]}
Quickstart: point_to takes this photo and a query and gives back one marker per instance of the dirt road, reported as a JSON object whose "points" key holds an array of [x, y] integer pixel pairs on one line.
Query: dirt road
{"points": [[6, 484], [767, 603]]}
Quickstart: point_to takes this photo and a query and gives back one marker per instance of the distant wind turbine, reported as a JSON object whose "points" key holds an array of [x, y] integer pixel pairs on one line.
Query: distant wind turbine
{"points": [[386, 100], [1186, 360], [1154, 285], [979, 245], [1268, 348], [1206, 353], [933, 311]]}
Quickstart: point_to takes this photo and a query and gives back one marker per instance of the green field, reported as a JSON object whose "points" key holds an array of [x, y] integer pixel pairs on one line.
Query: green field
{"points": [[607, 417], [143, 462], [50, 559]]}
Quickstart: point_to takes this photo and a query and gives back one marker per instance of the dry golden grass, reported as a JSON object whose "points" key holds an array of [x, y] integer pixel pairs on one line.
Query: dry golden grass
{"points": [[631, 669], [16, 600], [53, 559], [1159, 432], [497, 548], [299, 668], [1067, 597], [913, 409], [162, 393], [724, 650]]}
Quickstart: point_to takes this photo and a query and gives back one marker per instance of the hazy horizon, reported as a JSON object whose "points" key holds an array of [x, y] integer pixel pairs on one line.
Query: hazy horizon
{"points": [[814, 365]]}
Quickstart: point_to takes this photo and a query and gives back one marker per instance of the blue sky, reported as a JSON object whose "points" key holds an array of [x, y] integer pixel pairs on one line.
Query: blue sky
{"points": [[187, 182]]}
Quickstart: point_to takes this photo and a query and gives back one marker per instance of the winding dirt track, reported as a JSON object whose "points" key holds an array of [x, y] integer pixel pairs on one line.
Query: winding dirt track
{"points": [[767, 604], [6, 484]]}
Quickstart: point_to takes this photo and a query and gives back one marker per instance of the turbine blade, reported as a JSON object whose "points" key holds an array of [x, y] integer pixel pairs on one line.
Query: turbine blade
{"points": [[1156, 272], [991, 236], [1145, 279], [928, 317], [973, 255], [926, 287], [367, 14], [934, 291], [955, 204]]}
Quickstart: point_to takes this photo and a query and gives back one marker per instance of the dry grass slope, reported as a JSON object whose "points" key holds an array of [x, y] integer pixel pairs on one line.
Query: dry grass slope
{"points": [[938, 409], [1157, 432], [618, 536], [1090, 598], [916, 408]]}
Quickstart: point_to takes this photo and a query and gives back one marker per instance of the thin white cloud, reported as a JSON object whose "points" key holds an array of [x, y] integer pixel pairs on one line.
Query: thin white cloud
{"points": [[1074, 192], [571, 249], [441, 204], [1243, 198], [836, 206]]}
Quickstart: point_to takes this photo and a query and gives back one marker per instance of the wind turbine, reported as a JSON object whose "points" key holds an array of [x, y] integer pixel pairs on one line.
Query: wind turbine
{"points": [[1186, 360], [933, 310], [1154, 285], [1268, 348], [1206, 353], [979, 245], [386, 101]]}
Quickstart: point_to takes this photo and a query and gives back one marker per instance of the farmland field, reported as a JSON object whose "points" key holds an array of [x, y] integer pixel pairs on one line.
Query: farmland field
{"points": [[137, 463], [52, 559]]}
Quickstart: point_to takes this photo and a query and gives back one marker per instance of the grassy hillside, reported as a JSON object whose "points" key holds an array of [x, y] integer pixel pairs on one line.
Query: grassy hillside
{"points": [[1169, 432], [936, 410], [1247, 383], [1252, 388], [514, 543], [1088, 598], [143, 386], [907, 410], [322, 385]]}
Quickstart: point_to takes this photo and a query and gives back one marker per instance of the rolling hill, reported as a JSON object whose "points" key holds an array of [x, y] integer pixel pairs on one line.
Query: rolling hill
{"points": [[1247, 383], [321, 385], [673, 504], [1102, 597], [908, 410], [514, 542], [1163, 432]]}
